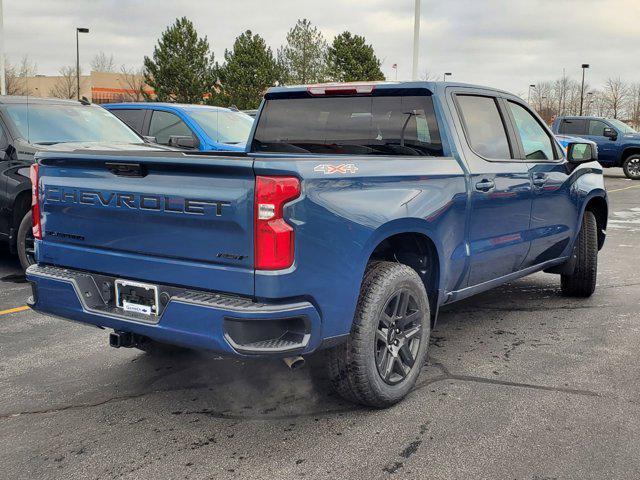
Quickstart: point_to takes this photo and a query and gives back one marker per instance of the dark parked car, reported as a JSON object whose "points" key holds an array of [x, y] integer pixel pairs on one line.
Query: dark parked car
{"points": [[28, 125]]}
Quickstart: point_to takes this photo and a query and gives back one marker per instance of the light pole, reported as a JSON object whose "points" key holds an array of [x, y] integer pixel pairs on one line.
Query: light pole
{"points": [[444, 77], [416, 40], [584, 67], [529, 98], [78, 31]]}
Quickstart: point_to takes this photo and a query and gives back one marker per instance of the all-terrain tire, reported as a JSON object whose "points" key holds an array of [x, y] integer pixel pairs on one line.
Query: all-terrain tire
{"points": [[631, 167], [582, 282], [351, 366], [24, 242]]}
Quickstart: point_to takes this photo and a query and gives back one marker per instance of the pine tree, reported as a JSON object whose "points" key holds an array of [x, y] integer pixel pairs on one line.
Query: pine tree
{"points": [[182, 68], [303, 57], [249, 69], [350, 59]]}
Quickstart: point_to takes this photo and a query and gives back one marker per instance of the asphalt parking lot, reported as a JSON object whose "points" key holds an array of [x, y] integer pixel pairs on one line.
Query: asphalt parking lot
{"points": [[521, 383]]}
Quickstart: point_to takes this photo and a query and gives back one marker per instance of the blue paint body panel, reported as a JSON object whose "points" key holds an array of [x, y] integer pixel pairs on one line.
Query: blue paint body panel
{"points": [[482, 239]]}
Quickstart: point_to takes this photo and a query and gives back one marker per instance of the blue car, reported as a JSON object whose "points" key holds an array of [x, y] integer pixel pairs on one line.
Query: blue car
{"points": [[192, 127], [357, 212], [618, 143], [565, 140]]}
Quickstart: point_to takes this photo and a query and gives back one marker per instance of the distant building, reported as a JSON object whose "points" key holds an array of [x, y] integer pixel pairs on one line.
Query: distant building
{"points": [[97, 87]]}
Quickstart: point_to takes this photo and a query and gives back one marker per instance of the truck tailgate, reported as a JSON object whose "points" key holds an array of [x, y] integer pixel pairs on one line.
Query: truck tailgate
{"points": [[171, 218]]}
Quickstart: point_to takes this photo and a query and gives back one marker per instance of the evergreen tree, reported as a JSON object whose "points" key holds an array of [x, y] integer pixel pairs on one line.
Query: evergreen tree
{"points": [[303, 57], [350, 59], [249, 69], [182, 68]]}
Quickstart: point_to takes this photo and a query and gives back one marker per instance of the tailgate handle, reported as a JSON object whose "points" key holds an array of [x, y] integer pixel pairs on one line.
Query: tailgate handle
{"points": [[126, 169]]}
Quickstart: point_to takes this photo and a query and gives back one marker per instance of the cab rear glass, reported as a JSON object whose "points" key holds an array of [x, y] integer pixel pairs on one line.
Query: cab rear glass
{"points": [[354, 125]]}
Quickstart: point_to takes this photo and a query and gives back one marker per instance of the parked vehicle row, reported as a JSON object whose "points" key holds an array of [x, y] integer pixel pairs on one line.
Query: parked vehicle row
{"points": [[356, 212], [618, 143], [29, 125]]}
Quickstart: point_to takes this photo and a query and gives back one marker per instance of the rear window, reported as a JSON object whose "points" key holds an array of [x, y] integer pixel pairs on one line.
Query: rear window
{"points": [[573, 127], [393, 125], [133, 118]]}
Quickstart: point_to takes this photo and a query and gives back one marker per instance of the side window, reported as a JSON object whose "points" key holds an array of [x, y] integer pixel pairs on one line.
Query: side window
{"points": [[133, 118], [485, 128], [536, 141], [573, 127], [596, 127], [164, 124]]}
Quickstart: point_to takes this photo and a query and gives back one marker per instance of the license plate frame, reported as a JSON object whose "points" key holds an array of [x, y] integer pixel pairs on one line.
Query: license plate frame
{"points": [[138, 308]]}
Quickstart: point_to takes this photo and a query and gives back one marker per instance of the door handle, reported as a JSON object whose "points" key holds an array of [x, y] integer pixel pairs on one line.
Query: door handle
{"points": [[485, 185], [540, 179]]}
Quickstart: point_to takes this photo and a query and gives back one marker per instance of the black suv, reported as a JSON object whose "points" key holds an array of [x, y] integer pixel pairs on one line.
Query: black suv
{"points": [[28, 125]]}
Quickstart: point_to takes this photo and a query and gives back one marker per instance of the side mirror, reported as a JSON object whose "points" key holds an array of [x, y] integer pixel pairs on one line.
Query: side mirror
{"points": [[581, 152], [610, 133], [182, 141], [149, 139]]}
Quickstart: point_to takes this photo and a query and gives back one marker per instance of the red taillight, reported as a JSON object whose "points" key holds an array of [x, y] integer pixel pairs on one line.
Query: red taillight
{"points": [[35, 201], [274, 237]]}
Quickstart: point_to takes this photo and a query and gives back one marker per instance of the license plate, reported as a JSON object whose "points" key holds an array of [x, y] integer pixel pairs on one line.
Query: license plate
{"points": [[136, 297]]}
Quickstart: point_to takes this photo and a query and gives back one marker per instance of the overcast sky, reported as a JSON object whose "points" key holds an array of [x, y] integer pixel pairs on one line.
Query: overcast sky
{"points": [[502, 43]]}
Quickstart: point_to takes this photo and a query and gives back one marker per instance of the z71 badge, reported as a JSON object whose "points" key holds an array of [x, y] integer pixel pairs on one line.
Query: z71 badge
{"points": [[329, 169]]}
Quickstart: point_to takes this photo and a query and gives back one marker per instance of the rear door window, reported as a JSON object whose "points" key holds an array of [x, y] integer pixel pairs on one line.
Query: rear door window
{"points": [[377, 125], [484, 126], [573, 127], [165, 125], [134, 118]]}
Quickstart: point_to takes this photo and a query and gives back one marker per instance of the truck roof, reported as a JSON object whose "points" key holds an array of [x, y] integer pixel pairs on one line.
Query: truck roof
{"points": [[429, 85]]}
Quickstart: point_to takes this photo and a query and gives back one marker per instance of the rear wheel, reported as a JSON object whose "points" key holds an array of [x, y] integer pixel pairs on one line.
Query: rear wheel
{"points": [[631, 167], [582, 282], [380, 362], [25, 242]]}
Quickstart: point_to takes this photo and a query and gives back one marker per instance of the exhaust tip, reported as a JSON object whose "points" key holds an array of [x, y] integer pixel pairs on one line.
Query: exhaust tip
{"points": [[294, 363]]}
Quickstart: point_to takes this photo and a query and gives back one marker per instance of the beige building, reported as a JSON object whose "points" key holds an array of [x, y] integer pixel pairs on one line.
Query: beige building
{"points": [[97, 87]]}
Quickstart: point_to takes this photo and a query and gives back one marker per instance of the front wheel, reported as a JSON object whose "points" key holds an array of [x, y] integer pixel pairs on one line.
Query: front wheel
{"points": [[631, 167], [380, 362], [25, 242], [582, 282]]}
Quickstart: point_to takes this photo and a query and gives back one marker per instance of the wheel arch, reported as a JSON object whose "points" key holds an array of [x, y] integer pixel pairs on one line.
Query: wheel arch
{"points": [[417, 249], [598, 205], [21, 206], [628, 151]]}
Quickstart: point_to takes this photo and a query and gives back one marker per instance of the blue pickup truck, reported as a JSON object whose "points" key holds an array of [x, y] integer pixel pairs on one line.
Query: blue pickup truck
{"points": [[357, 211], [618, 143], [190, 127]]}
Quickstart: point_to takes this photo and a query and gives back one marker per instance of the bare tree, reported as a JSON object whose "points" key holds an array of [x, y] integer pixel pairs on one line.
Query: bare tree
{"points": [[615, 95], [634, 104], [431, 76], [103, 63], [66, 86], [133, 82], [17, 76]]}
